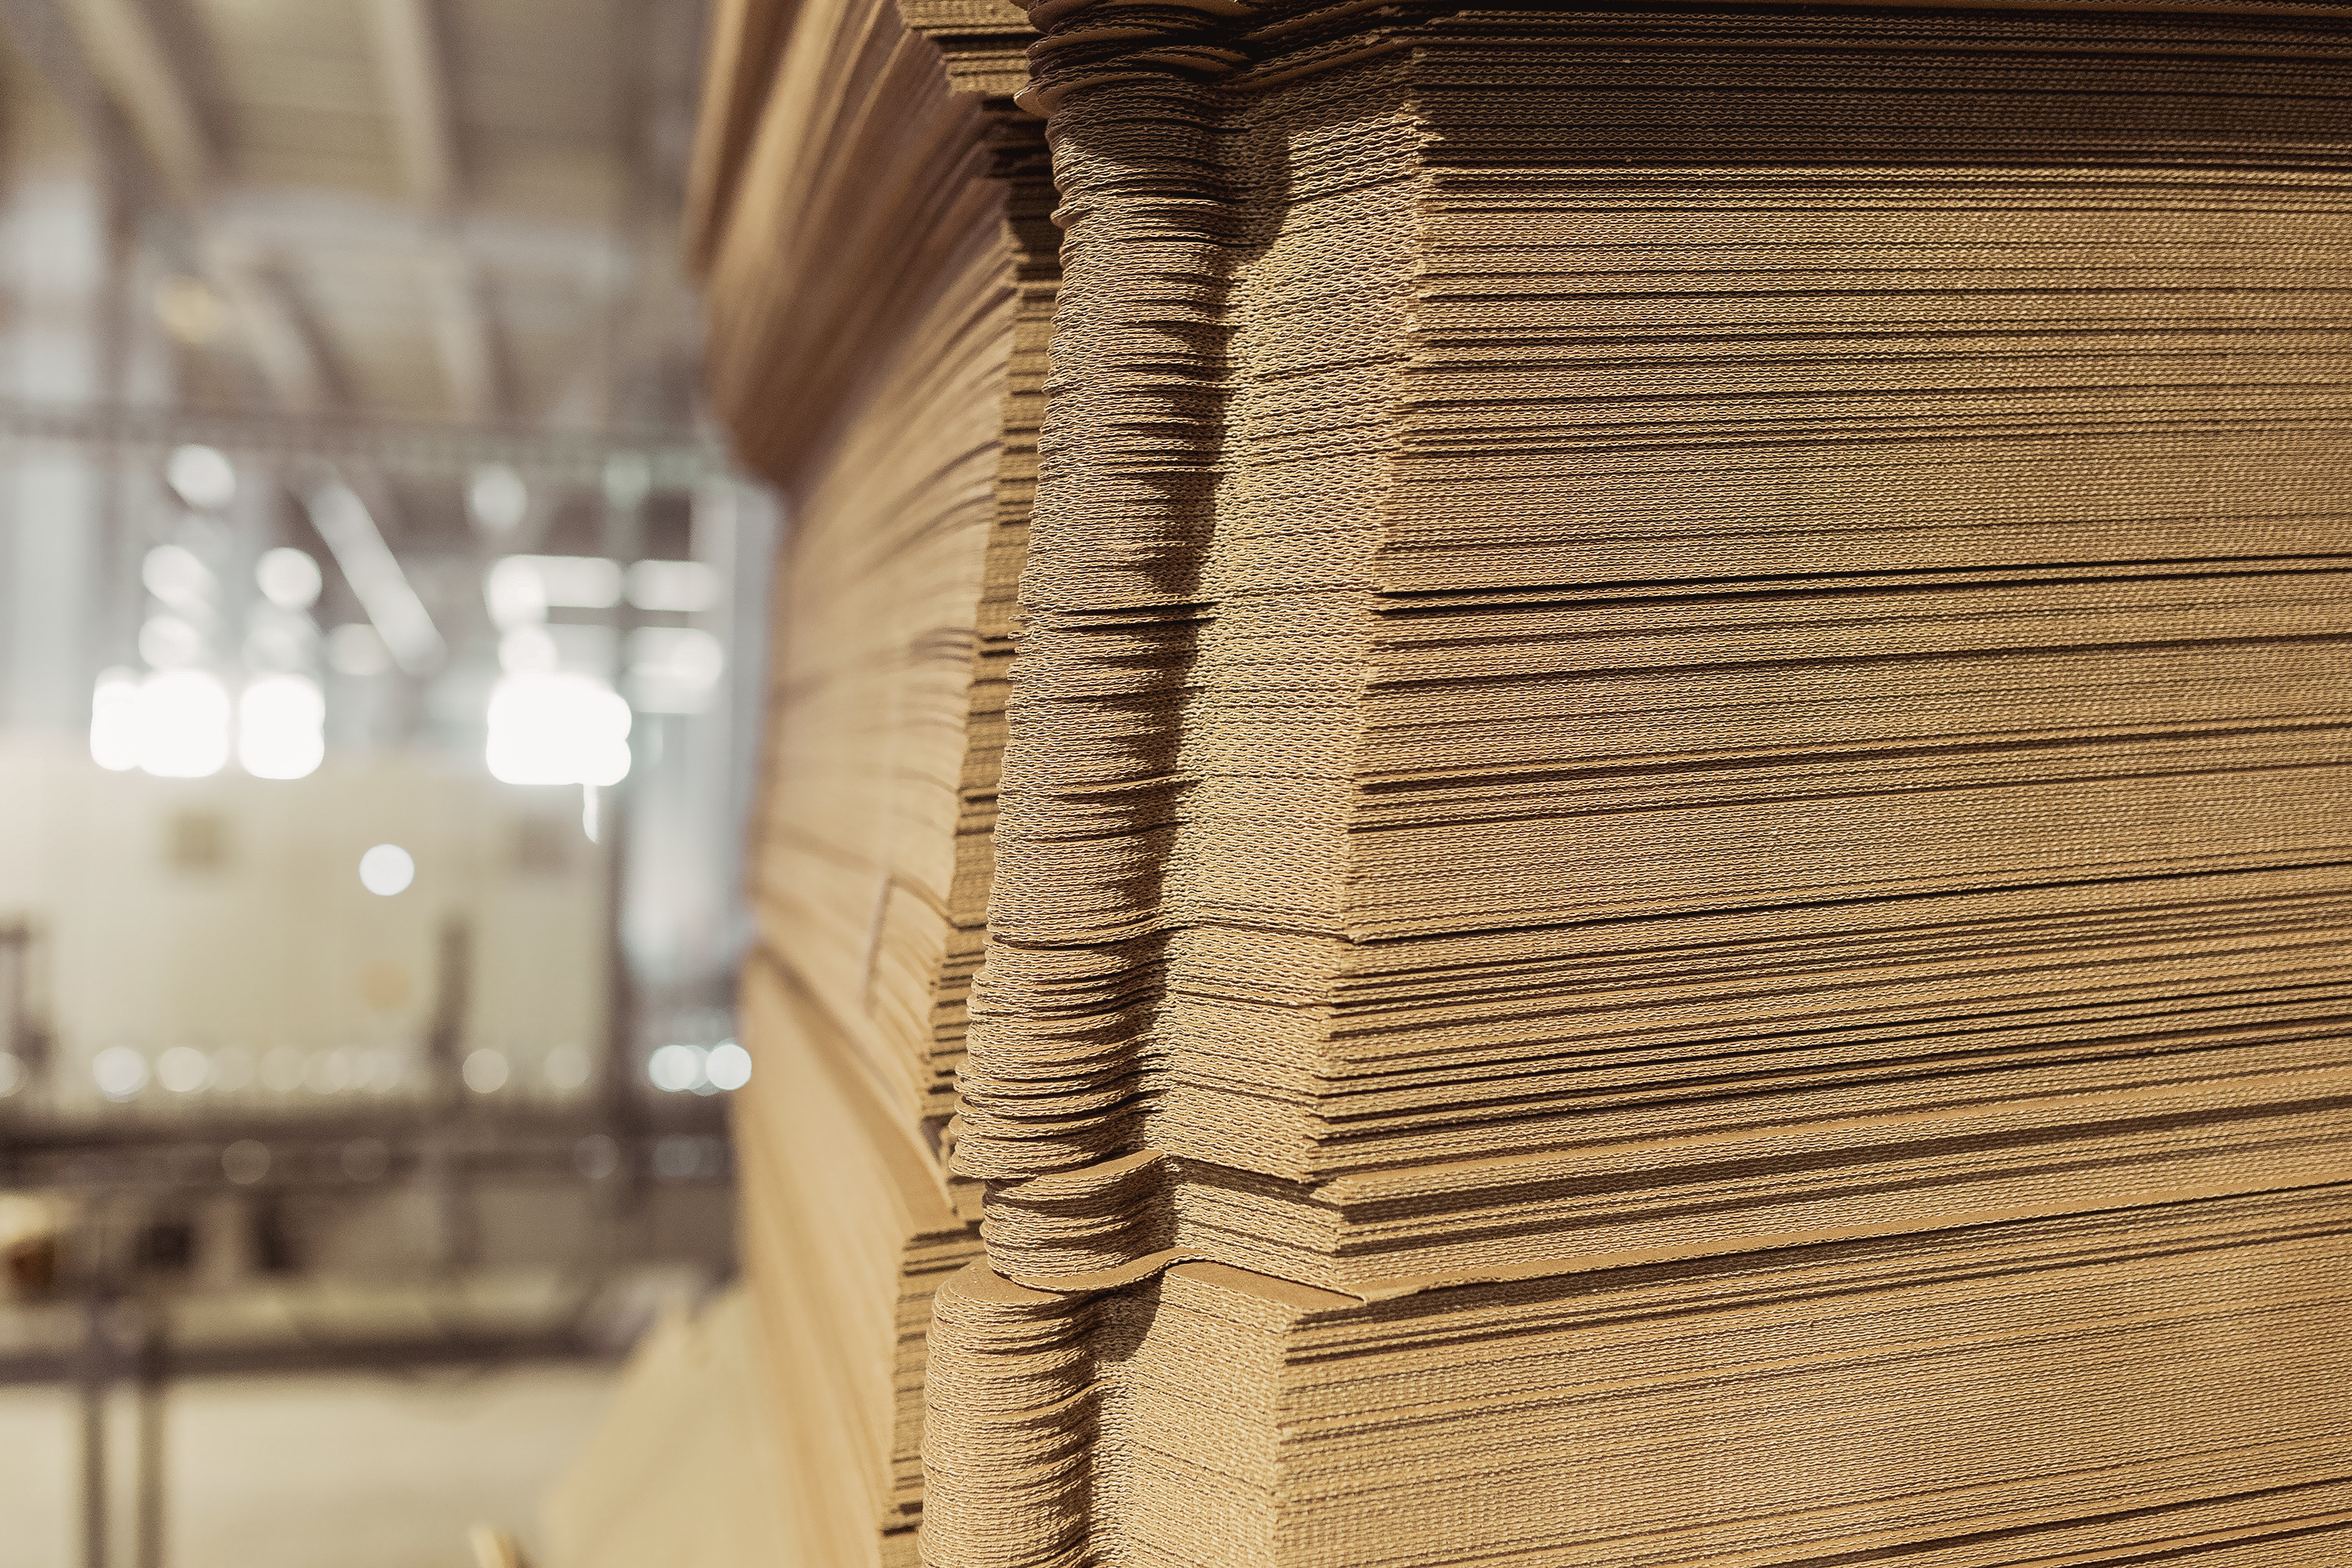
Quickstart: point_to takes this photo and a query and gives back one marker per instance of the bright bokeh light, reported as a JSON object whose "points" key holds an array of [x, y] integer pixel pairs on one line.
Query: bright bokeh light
{"points": [[288, 578], [387, 869], [330, 1073], [529, 650], [114, 721], [182, 1070], [246, 1162], [498, 498], [280, 727], [627, 477], [684, 586], [170, 642], [728, 1065], [522, 587], [278, 640], [356, 649], [175, 576], [557, 730], [566, 1067], [485, 1072], [514, 594], [674, 670], [181, 725], [189, 311], [119, 1072], [176, 724], [203, 476], [676, 1068]]}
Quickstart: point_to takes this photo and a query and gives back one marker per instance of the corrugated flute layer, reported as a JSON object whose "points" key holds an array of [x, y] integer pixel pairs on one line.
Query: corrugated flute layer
{"points": [[2074, 1392], [1708, 641], [1573, 610]]}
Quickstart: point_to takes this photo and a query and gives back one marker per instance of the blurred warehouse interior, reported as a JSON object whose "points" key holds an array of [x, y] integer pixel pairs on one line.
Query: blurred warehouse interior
{"points": [[375, 732]]}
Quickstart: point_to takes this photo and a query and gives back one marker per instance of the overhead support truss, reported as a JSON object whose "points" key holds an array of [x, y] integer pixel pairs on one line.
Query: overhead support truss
{"points": [[668, 460]]}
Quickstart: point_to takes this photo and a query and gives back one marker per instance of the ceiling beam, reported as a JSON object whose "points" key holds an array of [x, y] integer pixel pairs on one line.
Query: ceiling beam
{"points": [[114, 67], [121, 51], [49, 40], [409, 63], [411, 60], [126, 53], [467, 342], [330, 224], [465, 336], [286, 343]]}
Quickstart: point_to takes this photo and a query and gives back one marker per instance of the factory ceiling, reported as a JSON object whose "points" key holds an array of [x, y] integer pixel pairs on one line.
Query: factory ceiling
{"points": [[456, 211]]}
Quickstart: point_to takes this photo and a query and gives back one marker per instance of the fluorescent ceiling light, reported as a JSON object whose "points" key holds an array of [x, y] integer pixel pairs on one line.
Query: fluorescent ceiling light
{"points": [[557, 728], [280, 727]]}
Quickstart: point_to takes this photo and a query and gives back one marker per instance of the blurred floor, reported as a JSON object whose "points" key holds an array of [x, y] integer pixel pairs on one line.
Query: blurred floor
{"points": [[340, 1471]]}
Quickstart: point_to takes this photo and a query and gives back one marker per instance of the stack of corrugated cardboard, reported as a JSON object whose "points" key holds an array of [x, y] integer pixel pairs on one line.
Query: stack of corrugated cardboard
{"points": [[869, 212], [1674, 827]]}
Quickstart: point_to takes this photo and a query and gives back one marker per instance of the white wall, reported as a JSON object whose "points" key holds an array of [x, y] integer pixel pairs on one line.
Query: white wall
{"points": [[280, 947]]}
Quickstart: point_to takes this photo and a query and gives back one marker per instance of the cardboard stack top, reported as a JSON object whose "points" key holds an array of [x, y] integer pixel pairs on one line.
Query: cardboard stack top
{"points": [[1636, 767]]}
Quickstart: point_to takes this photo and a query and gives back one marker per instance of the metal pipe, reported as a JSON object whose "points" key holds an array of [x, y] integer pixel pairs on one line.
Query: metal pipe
{"points": [[155, 1373], [93, 1380]]}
